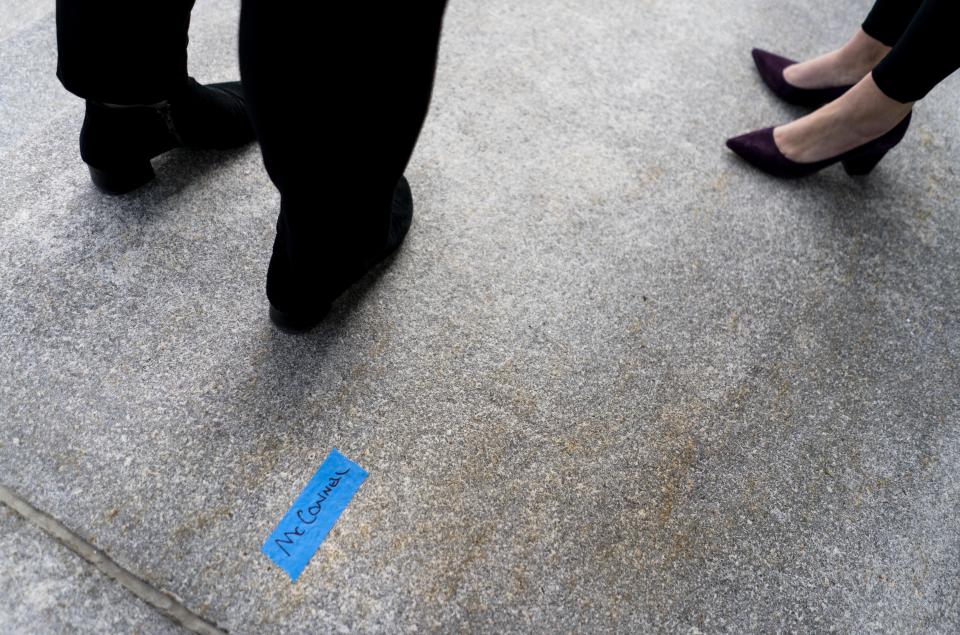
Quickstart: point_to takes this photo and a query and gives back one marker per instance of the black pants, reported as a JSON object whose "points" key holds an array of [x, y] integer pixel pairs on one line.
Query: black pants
{"points": [[338, 98], [924, 53], [122, 52], [338, 93]]}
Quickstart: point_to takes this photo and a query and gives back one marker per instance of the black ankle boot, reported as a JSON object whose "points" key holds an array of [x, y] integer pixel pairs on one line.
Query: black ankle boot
{"points": [[118, 141], [299, 300]]}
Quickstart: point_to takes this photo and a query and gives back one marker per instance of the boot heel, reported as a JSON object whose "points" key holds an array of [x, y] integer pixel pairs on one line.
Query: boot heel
{"points": [[861, 166], [120, 180]]}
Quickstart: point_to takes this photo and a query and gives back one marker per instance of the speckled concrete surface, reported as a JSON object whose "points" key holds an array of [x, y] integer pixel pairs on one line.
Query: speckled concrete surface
{"points": [[47, 589], [615, 380], [17, 15]]}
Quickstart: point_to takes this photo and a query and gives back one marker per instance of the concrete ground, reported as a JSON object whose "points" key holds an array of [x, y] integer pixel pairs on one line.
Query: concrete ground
{"points": [[614, 381]]}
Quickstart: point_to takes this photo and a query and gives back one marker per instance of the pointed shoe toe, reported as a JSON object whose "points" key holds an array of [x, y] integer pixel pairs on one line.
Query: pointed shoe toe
{"points": [[759, 149], [770, 66]]}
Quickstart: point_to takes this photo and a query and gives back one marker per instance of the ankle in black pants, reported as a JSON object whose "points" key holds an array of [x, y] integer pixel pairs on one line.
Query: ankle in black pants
{"points": [[921, 33]]}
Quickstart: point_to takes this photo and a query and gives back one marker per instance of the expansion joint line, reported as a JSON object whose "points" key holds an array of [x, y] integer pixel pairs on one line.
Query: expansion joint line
{"points": [[160, 601]]}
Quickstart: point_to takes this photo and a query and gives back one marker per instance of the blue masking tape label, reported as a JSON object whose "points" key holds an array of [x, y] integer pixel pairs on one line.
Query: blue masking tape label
{"points": [[313, 514]]}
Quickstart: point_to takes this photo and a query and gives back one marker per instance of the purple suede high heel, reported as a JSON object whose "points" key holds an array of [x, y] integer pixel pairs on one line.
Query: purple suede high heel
{"points": [[770, 67], [760, 150]]}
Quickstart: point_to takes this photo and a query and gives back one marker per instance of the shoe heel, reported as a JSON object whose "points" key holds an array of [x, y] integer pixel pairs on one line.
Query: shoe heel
{"points": [[863, 165], [121, 180]]}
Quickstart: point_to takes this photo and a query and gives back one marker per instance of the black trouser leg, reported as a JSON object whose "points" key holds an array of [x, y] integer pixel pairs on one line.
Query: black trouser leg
{"points": [[924, 55], [338, 96], [122, 51], [888, 19]]}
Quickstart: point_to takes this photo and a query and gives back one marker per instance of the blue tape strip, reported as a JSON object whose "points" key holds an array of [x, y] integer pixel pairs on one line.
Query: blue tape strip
{"points": [[312, 516]]}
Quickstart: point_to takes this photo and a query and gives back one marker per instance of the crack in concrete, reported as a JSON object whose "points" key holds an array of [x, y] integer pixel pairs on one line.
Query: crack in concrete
{"points": [[162, 602]]}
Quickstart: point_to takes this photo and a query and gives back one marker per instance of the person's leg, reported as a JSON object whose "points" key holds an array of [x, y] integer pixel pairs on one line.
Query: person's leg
{"points": [[844, 66], [123, 52], [847, 65], [129, 61], [337, 161], [924, 55], [889, 19], [921, 58]]}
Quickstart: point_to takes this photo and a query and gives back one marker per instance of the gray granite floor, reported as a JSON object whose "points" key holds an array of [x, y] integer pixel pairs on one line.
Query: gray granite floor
{"points": [[614, 381], [46, 588]]}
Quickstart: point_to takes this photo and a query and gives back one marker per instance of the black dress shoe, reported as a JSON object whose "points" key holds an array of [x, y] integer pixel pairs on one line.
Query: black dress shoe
{"points": [[299, 315], [118, 141]]}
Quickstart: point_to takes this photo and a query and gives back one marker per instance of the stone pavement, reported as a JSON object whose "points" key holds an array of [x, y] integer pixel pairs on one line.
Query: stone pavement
{"points": [[614, 381]]}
